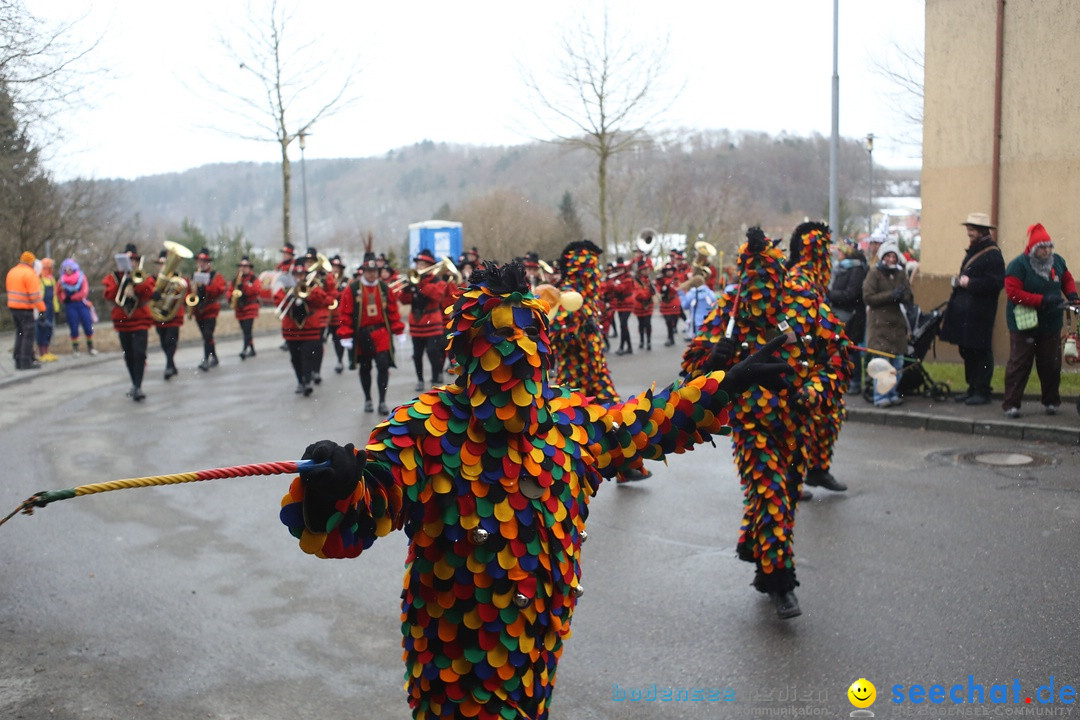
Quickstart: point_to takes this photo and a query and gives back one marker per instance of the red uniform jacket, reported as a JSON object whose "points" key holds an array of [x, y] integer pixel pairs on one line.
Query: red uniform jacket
{"points": [[666, 288], [622, 293], [210, 296], [140, 319], [247, 307], [373, 311], [315, 305], [644, 293], [426, 317]]}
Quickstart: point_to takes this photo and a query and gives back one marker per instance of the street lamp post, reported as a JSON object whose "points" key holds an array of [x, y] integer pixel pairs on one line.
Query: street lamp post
{"points": [[303, 182], [870, 187]]}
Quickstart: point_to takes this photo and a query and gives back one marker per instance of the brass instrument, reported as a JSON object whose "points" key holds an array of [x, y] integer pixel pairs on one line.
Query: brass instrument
{"points": [[546, 271], [170, 287], [237, 293], [302, 290], [415, 276], [646, 241], [125, 298], [703, 251]]}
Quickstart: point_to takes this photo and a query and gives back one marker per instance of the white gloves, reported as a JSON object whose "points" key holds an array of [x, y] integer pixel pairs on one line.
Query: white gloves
{"points": [[346, 343]]}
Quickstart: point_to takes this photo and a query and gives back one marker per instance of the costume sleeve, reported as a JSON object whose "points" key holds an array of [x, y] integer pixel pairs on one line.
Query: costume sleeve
{"points": [[1014, 290], [218, 288], [346, 307], [392, 476], [1068, 285], [397, 326], [652, 425]]}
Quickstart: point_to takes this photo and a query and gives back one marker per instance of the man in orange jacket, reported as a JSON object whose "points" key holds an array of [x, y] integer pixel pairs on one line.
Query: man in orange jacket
{"points": [[24, 302]]}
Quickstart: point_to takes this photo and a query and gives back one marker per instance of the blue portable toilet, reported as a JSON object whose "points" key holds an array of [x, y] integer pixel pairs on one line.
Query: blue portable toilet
{"points": [[441, 237]]}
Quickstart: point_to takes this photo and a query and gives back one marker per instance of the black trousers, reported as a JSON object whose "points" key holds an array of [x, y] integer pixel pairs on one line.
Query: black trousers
{"points": [[24, 337], [206, 327], [303, 354], [381, 361], [433, 348], [169, 338], [134, 345], [978, 369], [245, 327], [1042, 349], [672, 322], [624, 331], [644, 329]]}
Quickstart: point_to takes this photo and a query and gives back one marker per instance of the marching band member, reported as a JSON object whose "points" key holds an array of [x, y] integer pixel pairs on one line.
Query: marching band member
{"points": [[209, 288], [622, 302], [670, 306], [426, 324], [368, 320], [300, 303], [168, 331], [130, 295], [288, 257], [320, 318], [644, 300], [337, 277], [490, 478], [244, 293], [532, 268]]}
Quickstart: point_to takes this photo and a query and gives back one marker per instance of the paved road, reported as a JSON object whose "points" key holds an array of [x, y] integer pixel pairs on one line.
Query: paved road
{"points": [[193, 601]]}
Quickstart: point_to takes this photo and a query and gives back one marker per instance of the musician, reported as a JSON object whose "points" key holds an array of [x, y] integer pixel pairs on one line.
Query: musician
{"points": [[168, 331], [622, 303], [368, 320], [246, 303], [682, 268], [772, 426], [131, 316], [532, 269], [339, 281], [209, 287], [302, 331], [670, 305], [426, 323], [320, 318], [644, 299], [490, 479], [288, 257]]}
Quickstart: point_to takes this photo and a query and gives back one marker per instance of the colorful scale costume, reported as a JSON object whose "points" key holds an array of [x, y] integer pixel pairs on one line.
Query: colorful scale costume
{"points": [[576, 338], [810, 270], [771, 429], [491, 478]]}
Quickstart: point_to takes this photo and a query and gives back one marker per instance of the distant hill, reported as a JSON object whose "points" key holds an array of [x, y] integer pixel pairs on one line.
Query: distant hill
{"points": [[773, 180]]}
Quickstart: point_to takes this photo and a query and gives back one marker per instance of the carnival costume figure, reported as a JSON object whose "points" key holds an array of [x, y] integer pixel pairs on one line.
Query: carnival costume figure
{"points": [[809, 271], [490, 478], [770, 427], [576, 340]]}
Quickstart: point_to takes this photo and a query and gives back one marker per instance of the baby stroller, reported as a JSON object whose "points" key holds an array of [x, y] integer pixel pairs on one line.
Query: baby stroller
{"points": [[914, 379]]}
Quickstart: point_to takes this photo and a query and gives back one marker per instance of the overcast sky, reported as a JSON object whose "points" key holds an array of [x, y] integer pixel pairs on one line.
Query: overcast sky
{"points": [[433, 70]]}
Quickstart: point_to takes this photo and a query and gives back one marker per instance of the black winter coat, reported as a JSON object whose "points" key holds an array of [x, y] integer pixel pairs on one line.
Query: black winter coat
{"points": [[846, 294], [969, 318]]}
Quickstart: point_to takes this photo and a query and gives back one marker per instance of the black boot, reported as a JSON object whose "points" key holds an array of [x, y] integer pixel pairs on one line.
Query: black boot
{"points": [[787, 605]]}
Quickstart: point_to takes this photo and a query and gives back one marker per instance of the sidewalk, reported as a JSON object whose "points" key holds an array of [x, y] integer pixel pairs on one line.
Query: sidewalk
{"points": [[916, 412]]}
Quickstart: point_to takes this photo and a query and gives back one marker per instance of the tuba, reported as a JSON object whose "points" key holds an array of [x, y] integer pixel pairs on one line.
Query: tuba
{"points": [[170, 286], [646, 241]]}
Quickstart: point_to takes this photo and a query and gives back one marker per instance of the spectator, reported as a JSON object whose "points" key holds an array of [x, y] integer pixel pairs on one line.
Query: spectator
{"points": [[846, 299], [886, 290], [1034, 285], [75, 295], [24, 301], [46, 321], [697, 301], [969, 317]]}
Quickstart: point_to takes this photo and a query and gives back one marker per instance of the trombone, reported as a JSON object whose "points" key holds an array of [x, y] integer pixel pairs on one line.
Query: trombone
{"points": [[415, 276], [301, 290]]}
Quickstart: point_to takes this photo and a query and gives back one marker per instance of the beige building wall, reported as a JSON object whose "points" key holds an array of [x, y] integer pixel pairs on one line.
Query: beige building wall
{"points": [[1040, 133]]}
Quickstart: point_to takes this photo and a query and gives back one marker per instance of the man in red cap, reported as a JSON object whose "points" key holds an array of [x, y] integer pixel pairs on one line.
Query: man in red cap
{"points": [[25, 302], [244, 295]]}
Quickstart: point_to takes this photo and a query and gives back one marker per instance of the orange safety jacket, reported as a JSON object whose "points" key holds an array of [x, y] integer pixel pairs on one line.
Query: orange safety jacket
{"points": [[24, 289]]}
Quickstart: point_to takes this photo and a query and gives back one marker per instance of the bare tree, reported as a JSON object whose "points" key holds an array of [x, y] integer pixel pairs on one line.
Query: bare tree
{"points": [[504, 224], [904, 69], [284, 88], [601, 96]]}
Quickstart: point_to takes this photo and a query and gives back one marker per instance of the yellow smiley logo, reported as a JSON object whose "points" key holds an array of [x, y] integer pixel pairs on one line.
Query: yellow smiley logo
{"points": [[862, 693]]}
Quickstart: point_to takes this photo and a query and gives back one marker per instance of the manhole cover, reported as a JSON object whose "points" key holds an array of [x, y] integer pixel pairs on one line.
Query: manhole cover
{"points": [[1000, 458]]}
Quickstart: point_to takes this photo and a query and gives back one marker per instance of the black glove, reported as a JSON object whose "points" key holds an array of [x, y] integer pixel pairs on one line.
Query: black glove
{"points": [[723, 352], [1074, 299], [1052, 303], [761, 368], [324, 488], [898, 294], [756, 240]]}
